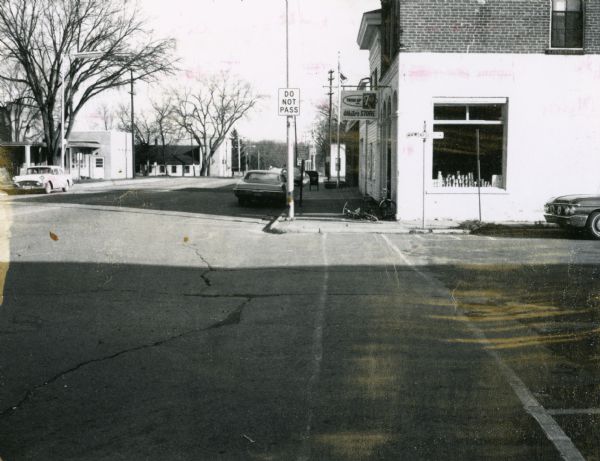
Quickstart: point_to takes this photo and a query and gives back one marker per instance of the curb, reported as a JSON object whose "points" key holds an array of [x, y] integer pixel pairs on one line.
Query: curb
{"points": [[277, 226], [273, 226]]}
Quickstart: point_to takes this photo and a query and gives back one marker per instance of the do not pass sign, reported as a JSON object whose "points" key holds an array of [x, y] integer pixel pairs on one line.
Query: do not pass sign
{"points": [[289, 101]]}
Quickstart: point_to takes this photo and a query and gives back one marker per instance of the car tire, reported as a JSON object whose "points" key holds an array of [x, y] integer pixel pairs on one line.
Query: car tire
{"points": [[593, 225], [48, 187], [67, 187]]}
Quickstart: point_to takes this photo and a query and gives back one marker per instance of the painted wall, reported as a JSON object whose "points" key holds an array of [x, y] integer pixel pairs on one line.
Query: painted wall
{"points": [[119, 163], [115, 148], [192, 170], [221, 160], [553, 126]]}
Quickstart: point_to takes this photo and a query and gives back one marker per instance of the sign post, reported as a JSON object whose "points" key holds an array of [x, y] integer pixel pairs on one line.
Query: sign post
{"points": [[425, 135], [289, 101], [289, 106]]}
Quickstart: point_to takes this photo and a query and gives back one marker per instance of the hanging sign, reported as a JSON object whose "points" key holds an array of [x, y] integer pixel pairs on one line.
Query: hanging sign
{"points": [[359, 105]]}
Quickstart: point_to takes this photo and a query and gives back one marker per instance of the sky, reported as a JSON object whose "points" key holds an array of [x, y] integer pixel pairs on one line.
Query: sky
{"points": [[247, 38]]}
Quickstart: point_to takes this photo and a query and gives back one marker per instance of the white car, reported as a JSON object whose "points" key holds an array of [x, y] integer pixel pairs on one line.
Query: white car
{"points": [[48, 178]]}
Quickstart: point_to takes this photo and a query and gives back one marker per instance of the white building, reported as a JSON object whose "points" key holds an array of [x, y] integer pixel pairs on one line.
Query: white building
{"points": [[99, 155], [528, 88]]}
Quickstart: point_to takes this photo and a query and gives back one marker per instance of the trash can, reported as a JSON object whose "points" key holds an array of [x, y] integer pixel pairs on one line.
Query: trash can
{"points": [[314, 179]]}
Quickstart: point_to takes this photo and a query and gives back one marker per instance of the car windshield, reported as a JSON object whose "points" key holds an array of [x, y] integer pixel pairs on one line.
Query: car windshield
{"points": [[38, 170], [259, 177]]}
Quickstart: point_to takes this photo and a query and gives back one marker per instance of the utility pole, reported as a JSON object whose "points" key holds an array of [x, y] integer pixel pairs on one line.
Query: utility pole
{"points": [[330, 103], [338, 165], [132, 126], [239, 152], [290, 146]]}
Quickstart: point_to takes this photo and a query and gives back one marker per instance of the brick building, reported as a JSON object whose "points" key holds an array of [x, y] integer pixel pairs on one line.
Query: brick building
{"points": [[520, 76]]}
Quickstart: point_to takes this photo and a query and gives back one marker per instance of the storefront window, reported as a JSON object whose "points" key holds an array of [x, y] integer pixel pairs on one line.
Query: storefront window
{"points": [[455, 156]]}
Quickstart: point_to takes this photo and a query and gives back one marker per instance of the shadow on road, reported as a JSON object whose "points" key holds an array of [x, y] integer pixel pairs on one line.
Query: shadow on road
{"points": [[157, 362], [529, 231]]}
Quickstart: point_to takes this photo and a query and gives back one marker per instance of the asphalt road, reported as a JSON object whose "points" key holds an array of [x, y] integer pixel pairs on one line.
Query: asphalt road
{"points": [[165, 324]]}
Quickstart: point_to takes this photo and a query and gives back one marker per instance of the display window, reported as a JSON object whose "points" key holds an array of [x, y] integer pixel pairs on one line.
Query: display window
{"points": [[468, 128]]}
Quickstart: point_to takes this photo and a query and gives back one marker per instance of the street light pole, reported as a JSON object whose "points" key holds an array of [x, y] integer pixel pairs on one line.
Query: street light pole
{"points": [[290, 147], [132, 126], [62, 116]]}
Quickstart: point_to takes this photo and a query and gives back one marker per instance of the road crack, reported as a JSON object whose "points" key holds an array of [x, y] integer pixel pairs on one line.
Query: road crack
{"points": [[209, 267], [233, 318]]}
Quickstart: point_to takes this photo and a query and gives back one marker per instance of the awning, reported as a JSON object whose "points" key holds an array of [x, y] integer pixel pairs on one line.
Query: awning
{"points": [[88, 144]]}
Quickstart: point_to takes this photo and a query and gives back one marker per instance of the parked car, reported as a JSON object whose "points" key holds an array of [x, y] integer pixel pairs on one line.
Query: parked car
{"points": [[46, 178], [297, 177], [261, 185], [575, 212]]}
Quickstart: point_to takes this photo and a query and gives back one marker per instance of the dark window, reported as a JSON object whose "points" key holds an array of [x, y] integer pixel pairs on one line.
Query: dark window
{"points": [[454, 162], [452, 112], [567, 24], [186, 169], [173, 168], [390, 33], [485, 112]]}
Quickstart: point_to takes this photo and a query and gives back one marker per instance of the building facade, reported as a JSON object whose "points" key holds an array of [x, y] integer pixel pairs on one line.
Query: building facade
{"points": [[181, 160], [482, 99], [99, 155]]}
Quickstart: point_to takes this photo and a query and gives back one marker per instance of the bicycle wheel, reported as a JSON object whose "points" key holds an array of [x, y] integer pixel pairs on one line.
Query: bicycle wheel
{"points": [[387, 209], [369, 217]]}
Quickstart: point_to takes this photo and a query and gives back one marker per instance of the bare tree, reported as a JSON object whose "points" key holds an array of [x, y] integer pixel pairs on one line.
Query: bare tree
{"points": [[41, 35], [145, 129], [105, 116], [18, 112], [209, 111], [167, 129], [156, 125]]}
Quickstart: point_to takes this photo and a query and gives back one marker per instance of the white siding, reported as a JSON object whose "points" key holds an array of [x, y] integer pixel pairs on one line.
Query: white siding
{"points": [[553, 126]]}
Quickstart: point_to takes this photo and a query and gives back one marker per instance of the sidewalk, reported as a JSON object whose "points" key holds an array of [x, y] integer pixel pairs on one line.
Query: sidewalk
{"points": [[321, 212]]}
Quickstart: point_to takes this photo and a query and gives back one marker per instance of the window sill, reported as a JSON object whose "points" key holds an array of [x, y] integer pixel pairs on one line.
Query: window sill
{"points": [[465, 191], [565, 51]]}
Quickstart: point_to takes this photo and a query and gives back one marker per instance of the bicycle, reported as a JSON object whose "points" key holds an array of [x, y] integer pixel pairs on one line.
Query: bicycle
{"points": [[387, 207], [358, 213]]}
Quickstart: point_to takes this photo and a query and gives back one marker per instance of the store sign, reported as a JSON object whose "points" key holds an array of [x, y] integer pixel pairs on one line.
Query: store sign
{"points": [[289, 101], [359, 105]]}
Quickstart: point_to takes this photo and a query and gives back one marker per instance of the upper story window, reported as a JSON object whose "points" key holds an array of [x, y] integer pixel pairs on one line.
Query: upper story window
{"points": [[374, 80], [390, 33], [567, 24]]}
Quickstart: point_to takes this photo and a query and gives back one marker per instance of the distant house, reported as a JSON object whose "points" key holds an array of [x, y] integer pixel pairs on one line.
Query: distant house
{"points": [[99, 155], [88, 155], [181, 160], [167, 161], [19, 155]]}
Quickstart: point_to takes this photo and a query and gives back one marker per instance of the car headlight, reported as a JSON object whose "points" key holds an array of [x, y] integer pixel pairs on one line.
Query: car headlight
{"points": [[570, 210]]}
